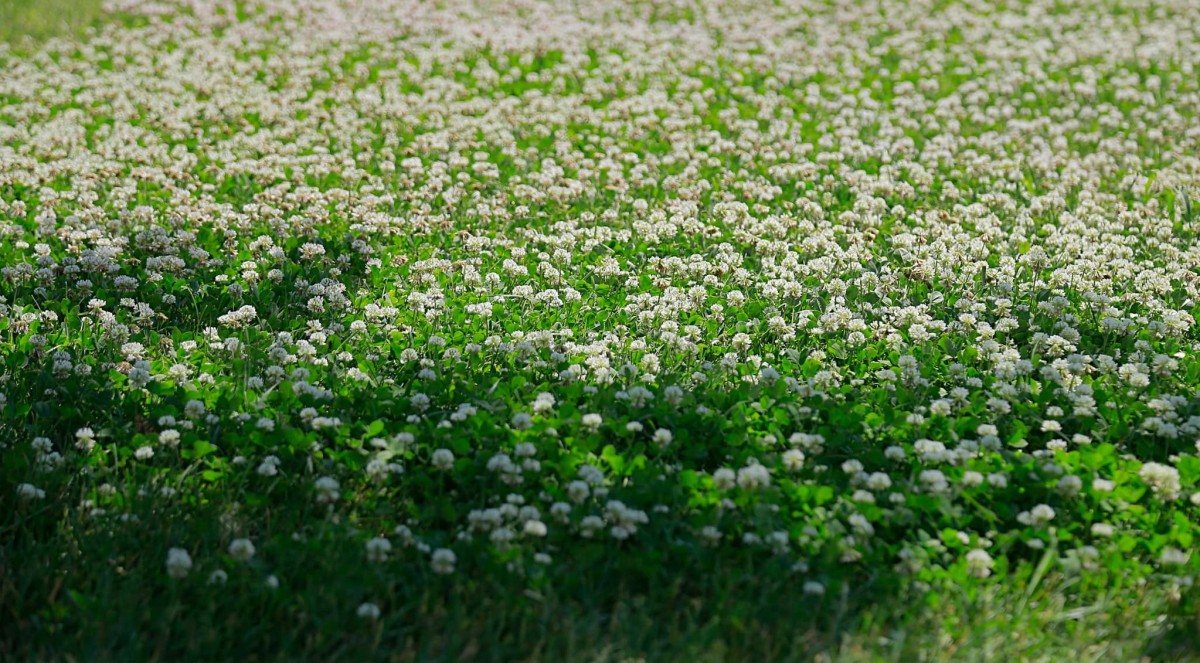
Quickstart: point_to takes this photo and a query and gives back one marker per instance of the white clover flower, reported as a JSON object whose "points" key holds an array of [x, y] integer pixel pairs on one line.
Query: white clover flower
{"points": [[378, 549], [980, 563], [561, 512], [240, 318], [241, 549], [578, 491], [878, 481], [525, 450], [1162, 479], [860, 525], [85, 440], [753, 476], [179, 563], [589, 525], [984, 430], [443, 459], [328, 490], [29, 491], [444, 561], [1174, 557], [522, 421], [793, 460], [420, 402], [544, 403], [369, 611], [1039, 515], [591, 421], [1069, 485], [194, 409], [724, 478], [934, 481], [269, 467], [663, 437]]}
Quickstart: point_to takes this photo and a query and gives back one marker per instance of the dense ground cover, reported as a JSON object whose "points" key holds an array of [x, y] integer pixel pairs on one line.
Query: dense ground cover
{"points": [[340, 330]]}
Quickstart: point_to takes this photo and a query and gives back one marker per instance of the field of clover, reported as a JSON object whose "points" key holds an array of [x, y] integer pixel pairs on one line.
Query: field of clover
{"points": [[468, 330]]}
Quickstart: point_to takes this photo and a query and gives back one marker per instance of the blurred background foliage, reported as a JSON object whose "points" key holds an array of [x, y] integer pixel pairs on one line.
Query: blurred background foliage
{"points": [[23, 21]]}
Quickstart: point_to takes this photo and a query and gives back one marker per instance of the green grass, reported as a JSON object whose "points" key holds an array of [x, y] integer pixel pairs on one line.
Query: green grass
{"points": [[23, 21]]}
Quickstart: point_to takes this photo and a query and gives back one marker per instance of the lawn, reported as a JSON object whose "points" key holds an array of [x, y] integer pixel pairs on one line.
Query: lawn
{"points": [[31, 21], [621, 330]]}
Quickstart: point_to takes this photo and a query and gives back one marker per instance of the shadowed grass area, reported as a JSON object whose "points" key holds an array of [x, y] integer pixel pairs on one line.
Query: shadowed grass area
{"points": [[22, 20], [59, 599]]}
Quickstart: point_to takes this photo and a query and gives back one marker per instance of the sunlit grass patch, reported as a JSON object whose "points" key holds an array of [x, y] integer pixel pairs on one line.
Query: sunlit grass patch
{"points": [[35, 20]]}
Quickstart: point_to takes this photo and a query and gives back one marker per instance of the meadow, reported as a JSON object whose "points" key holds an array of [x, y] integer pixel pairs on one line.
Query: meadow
{"points": [[619, 330]]}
